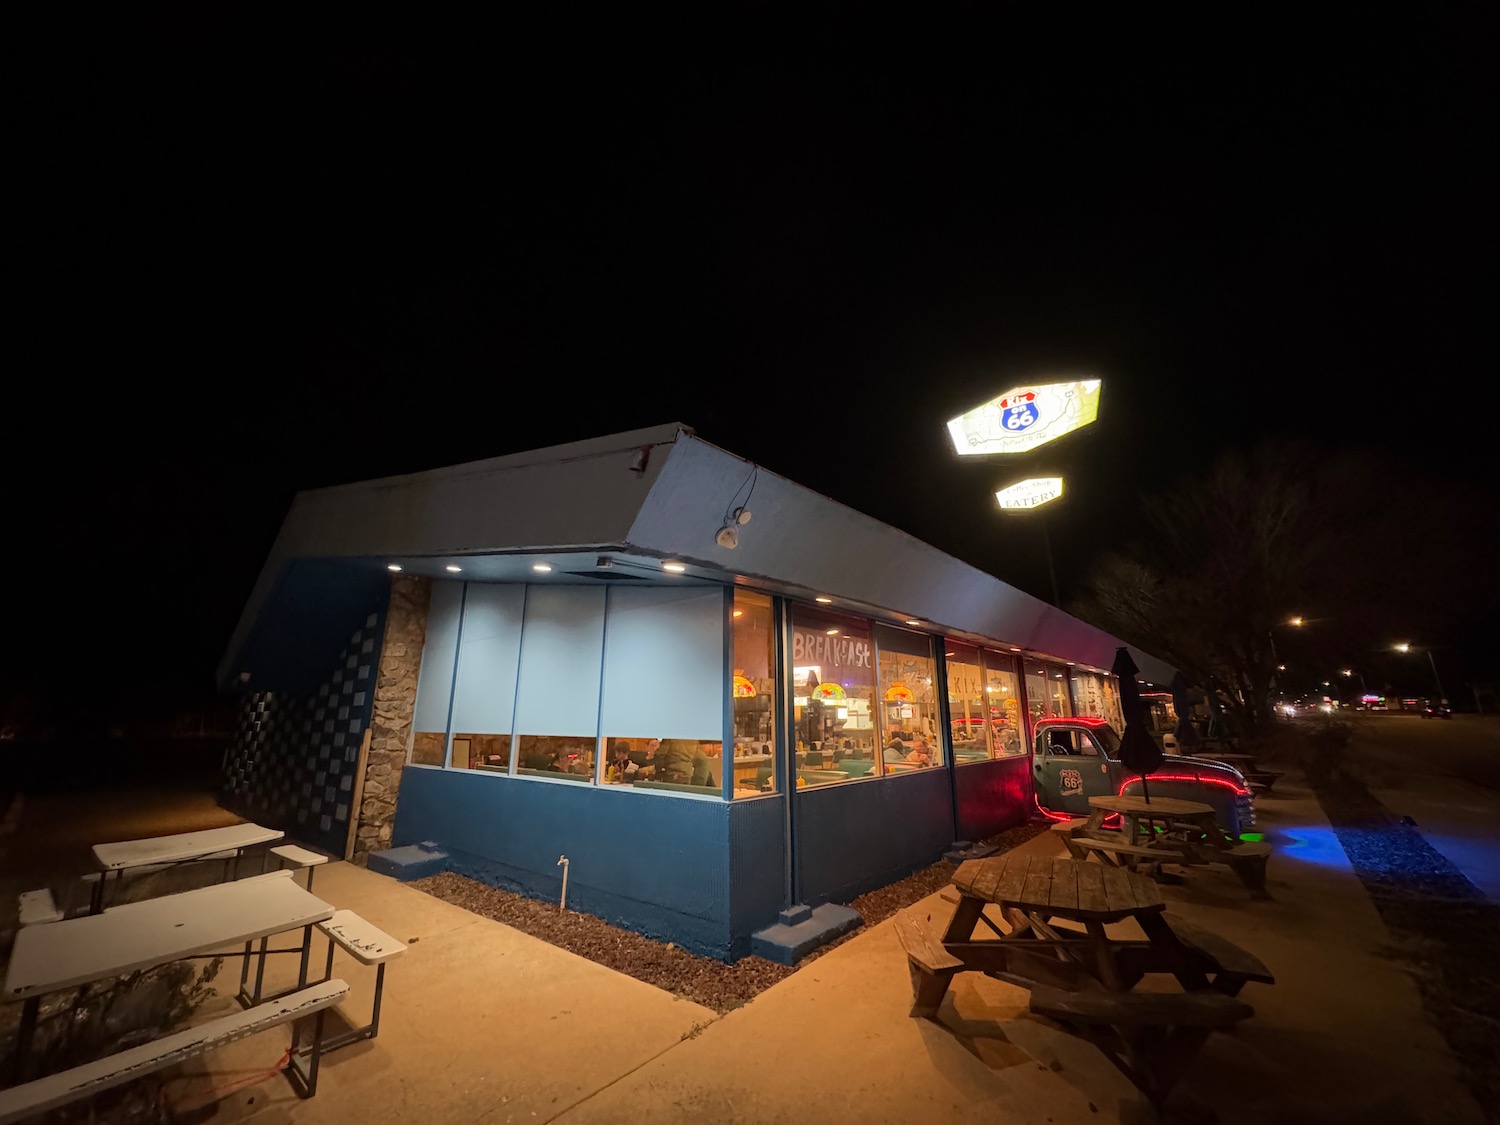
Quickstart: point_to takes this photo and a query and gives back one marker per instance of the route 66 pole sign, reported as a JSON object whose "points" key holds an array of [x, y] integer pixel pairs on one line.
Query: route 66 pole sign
{"points": [[1025, 417]]}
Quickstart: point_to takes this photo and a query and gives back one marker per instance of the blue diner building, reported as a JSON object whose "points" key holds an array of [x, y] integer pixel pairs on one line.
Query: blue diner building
{"points": [[719, 704]]}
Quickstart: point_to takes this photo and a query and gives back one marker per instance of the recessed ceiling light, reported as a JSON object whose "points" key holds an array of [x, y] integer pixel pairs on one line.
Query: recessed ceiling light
{"points": [[913, 621], [1015, 650], [542, 568], [393, 566], [673, 568], [824, 601], [454, 569], [833, 632]]}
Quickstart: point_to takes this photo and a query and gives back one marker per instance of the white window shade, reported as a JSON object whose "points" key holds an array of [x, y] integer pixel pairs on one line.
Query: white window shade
{"points": [[435, 680], [664, 664], [562, 649], [489, 657]]}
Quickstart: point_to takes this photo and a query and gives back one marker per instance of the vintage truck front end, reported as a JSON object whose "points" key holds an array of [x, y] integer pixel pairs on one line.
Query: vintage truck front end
{"points": [[1077, 758]]}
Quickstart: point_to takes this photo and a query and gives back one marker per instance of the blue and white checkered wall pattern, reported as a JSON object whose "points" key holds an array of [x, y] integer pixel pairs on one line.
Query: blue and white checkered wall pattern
{"points": [[293, 760]]}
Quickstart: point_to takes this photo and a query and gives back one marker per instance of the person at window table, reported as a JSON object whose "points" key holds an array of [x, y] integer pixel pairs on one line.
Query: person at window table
{"points": [[895, 750], [620, 770], [920, 753]]}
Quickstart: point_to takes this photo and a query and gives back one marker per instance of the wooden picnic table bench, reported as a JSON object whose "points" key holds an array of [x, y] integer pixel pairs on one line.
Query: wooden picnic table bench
{"points": [[1055, 945], [1188, 830]]}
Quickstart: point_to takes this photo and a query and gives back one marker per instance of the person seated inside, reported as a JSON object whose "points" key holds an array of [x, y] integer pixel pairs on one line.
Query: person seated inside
{"points": [[620, 770], [895, 749], [920, 753]]}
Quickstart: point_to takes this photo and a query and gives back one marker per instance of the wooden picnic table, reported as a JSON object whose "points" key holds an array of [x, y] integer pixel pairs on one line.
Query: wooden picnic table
{"points": [[229, 843], [142, 935], [1057, 946], [1183, 832]]}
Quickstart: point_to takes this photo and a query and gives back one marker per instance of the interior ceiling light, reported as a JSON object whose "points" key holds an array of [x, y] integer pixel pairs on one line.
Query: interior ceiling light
{"points": [[674, 568], [393, 566], [542, 568], [451, 569]]}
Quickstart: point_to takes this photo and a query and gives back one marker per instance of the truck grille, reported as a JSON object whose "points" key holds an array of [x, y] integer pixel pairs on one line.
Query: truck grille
{"points": [[1246, 807]]}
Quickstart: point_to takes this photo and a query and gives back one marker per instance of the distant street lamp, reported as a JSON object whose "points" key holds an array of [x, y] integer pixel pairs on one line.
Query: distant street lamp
{"points": [[1271, 636], [1347, 672], [1442, 695]]}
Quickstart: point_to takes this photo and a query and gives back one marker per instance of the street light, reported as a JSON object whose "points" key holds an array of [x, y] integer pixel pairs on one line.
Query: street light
{"points": [[1347, 672], [1442, 695], [1275, 656]]}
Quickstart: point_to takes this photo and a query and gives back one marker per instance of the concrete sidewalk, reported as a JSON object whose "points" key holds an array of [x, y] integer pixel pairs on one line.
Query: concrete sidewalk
{"points": [[482, 1022]]}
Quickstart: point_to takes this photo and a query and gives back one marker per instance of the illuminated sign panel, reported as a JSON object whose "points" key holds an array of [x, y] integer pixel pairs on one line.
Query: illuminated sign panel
{"points": [[1025, 417], [1028, 494]]}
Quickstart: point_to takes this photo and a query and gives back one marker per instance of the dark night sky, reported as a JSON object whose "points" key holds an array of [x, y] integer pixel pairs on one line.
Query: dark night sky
{"points": [[258, 259]]}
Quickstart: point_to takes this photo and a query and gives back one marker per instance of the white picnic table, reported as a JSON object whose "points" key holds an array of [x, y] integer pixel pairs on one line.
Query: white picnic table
{"points": [[229, 842], [156, 931]]}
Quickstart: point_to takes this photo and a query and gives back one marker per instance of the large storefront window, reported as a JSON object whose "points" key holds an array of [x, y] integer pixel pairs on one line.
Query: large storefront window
{"points": [[429, 738], [968, 709], [752, 688], [833, 697], [1090, 695], [1003, 690], [1038, 697], [908, 700], [1057, 690]]}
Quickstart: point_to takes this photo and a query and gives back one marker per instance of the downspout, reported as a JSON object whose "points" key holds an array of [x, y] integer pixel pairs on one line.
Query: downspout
{"points": [[785, 750], [945, 715]]}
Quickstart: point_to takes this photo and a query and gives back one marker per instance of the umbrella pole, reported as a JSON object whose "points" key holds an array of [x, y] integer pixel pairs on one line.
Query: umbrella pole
{"points": [[1145, 792]]}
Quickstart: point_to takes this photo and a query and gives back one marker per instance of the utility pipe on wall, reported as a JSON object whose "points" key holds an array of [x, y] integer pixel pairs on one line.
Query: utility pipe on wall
{"points": [[562, 861]]}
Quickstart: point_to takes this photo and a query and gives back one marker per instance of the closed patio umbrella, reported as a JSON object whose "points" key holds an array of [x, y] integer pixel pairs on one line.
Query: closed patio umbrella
{"points": [[1138, 750]]}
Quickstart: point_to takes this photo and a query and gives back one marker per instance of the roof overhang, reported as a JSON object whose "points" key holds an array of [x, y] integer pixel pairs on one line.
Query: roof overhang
{"points": [[612, 510]]}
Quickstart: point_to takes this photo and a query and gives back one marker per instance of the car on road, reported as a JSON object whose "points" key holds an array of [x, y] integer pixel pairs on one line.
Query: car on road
{"points": [[1079, 758], [1436, 710]]}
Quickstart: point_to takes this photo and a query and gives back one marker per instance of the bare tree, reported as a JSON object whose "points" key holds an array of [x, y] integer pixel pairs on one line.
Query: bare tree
{"points": [[1224, 560]]}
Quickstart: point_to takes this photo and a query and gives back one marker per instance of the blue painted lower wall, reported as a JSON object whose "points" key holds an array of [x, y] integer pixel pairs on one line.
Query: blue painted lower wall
{"points": [[661, 866], [704, 874], [855, 837], [994, 796]]}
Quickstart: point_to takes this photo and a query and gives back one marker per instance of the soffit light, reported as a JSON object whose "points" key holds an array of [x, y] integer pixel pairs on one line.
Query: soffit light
{"points": [[393, 566], [823, 601], [833, 632], [453, 569], [542, 568], [674, 568], [909, 621]]}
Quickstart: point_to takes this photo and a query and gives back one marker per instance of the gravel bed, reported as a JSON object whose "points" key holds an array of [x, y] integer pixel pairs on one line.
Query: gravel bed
{"points": [[703, 980]]}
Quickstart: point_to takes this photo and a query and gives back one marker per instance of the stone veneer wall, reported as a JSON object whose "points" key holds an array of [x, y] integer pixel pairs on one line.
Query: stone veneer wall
{"points": [[395, 701]]}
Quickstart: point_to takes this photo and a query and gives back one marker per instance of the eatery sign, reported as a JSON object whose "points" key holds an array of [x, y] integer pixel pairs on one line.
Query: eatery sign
{"points": [[1027, 494], [1025, 417]]}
